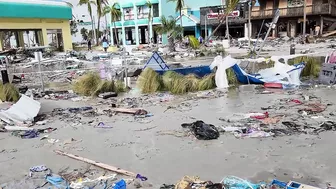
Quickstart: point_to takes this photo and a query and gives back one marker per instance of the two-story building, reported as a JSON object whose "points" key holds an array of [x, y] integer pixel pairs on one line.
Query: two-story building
{"points": [[133, 25], [211, 17], [321, 13]]}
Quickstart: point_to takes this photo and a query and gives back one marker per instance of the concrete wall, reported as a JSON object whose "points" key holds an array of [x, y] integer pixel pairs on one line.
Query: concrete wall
{"points": [[196, 4], [43, 24]]}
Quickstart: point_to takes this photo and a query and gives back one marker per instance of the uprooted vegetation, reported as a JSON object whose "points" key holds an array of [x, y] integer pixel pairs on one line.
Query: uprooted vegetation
{"points": [[9, 93], [92, 85], [312, 68], [149, 82]]}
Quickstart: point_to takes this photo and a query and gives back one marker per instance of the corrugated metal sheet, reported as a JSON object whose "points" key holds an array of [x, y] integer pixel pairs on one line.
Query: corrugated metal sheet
{"points": [[23, 111]]}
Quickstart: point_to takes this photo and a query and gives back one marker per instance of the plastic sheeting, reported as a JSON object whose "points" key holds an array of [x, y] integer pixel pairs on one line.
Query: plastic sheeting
{"points": [[222, 64], [232, 182]]}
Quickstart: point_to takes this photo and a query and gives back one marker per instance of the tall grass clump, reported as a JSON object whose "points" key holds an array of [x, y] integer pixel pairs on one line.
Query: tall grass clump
{"points": [[207, 82], [231, 76], [192, 82], [104, 86], [87, 84], [312, 68], [169, 78], [9, 93], [149, 81], [119, 86]]}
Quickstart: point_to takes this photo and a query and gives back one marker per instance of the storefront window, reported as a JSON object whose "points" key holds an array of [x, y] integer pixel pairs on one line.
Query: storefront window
{"points": [[143, 12], [128, 14], [130, 36], [156, 10]]}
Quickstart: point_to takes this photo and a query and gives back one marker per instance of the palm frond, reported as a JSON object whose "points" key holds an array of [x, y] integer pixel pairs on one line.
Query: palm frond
{"points": [[231, 5], [106, 10], [69, 4]]}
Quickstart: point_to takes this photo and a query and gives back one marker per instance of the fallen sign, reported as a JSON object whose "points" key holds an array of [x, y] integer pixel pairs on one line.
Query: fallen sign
{"points": [[22, 111], [101, 165]]}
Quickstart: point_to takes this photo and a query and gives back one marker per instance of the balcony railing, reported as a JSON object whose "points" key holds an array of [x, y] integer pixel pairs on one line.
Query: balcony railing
{"points": [[320, 9]]}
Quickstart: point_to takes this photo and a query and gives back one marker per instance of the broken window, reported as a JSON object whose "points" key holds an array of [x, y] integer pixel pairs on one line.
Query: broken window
{"points": [[295, 3]]}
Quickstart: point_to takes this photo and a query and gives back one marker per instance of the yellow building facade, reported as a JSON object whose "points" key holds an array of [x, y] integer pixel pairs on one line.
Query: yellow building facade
{"points": [[47, 21]]}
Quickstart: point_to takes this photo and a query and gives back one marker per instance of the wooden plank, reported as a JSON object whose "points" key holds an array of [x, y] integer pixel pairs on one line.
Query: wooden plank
{"points": [[98, 164], [126, 110], [329, 34]]}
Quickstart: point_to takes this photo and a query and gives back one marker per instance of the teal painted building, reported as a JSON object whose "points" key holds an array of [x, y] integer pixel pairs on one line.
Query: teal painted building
{"points": [[132, 27]]}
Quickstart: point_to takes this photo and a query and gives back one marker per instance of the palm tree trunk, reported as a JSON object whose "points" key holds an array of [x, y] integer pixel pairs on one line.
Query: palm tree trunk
{"points": [[148, 27], [98, 27], [92, 37], [116, 33], [219, 25], [181, 22], [171, 44]]}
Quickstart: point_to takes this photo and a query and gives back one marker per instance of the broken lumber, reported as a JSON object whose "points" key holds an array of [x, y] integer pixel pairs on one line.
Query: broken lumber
{"points": [[329, 34], [98, 164], [134, 111]]}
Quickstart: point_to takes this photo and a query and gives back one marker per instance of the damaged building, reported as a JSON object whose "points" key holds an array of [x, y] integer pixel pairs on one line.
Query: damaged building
{"points": [[320, 13]]}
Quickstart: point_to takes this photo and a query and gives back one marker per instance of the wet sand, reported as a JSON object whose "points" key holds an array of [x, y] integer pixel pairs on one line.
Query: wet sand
{"points": [[139, 147]]}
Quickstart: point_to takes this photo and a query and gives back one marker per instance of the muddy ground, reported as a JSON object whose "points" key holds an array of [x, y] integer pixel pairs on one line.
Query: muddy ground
{"points": [[149, 146]]}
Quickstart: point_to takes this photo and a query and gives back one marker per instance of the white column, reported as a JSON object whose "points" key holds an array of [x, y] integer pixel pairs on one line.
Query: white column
{"points": [[123, 36], [111, 34], [246, 30], [137, 34]]}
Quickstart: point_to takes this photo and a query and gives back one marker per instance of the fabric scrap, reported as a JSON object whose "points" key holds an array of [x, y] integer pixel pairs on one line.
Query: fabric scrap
{"points": [[202, 131], [30, 134], [39, 168]]}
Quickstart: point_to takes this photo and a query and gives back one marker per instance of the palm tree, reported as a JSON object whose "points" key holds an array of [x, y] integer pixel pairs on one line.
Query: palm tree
{"points": [[89, 4], [150, 18], [230, 6], [100, 4], [173, 31], [178, 8], [115, 16]]}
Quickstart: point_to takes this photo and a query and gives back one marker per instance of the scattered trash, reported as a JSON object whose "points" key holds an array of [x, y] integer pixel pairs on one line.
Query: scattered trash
{"points": [[81, 183], [190, 182], [58, 182], [107, 95], [314, 108], [252, 132], [296, 101], [81, 109], [131, 111], [201, 130], [272, 120], [120, 184], [53, 141], [290, 185], [232, 182], [259, 115], [39, 168], [102, 125], [101, 165], [30, 134]]}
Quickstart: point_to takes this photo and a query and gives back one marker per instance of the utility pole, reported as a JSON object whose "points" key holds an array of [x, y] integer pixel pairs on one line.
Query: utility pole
{"points": [[304, 20], [205, 27], [227, 22], [249, 25]]}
